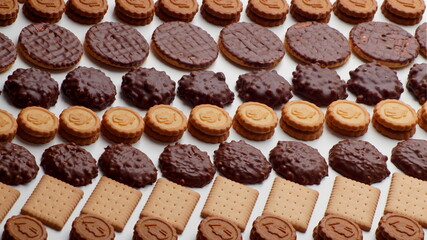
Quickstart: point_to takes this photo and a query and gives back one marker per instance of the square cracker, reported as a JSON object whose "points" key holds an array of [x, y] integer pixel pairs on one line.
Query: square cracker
{"points": [[230, 200], [353, 200], [8, 197], [113, 201], [408, 196], [171, 202], [52, 202], [292, 202]]}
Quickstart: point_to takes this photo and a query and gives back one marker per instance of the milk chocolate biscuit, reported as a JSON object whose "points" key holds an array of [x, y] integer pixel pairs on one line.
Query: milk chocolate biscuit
{"points": [[241, 162], [205, 87], [136, 9], [312, 42], [358, 160], [312, 9], [24, 227], [372, 41], [184, 45], [181, 9], [251, 45], [336, 227], [91, 227], [298, 162], [417, 81], [8, 53], [69, 163], [410, 157], [215, 20], [213, 227], [271, 227], [143, 229], [346, 17], [8, 12], [262, 21], [264, 86], [31, 87], [397, 226], [17, 164], [405, 8], [373, 82], [89, 87], [421, 36], [8, 126], [116, 44], [318, 85]]}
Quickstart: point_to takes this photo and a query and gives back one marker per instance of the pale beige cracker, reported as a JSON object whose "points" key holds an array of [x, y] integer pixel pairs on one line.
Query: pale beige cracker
{"points": [[8, 197], [52, 202], [408, 196], [291, 201], [353, 200], [230, 200], [113, 201], [172, 203]]}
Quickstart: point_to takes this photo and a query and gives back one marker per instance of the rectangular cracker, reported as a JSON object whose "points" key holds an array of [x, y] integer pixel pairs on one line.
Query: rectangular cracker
{"points": [[408, 196], [292, 202], [113, 201], [52, 202], [8, 197], [354, 200], [171, 202], [230, 200]]}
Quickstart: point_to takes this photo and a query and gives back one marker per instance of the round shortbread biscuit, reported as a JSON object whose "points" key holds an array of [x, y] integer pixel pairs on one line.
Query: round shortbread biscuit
{"points": [[398, 135], [251, 135], [123, 122], [300, 135], [210, 119], [344, 131], [116, 139], [8, 126], [33, 139], [161, 138], [80, 122], [348, 115], [423, 110], [166, 120], [207, 138], [38, 122], [421, 120], [303, 116], [263, 21], [405, 9], [78, 140], [256, 117], [395, 115]]}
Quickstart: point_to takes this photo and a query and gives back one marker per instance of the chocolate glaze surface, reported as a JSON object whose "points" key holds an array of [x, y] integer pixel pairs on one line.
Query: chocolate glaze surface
{"points": [[417, 82], [358, 160], [421, 36], [17, 164], [8, 51], [410, 156], [31, 87]]}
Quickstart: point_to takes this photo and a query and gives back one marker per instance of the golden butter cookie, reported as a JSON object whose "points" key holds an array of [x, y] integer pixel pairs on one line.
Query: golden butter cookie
{"points": [[344, 131], [347, 115], [205, 137], [80, 122], [133, 21], [47, 9], [303, 116], [251, 135], [33, 139], [166, 120], [161, 138], [422, 121], [319, 9], [123, 122], [78, 140], [136, 9], [256, 117], [298, 134], [395, 115], [424, 111], [398, 135], [215, 20], [116, 139], [269, 10], [182, 9], [405, 8], [346, 17], [398, 19], [223, 9], [210, 119], [89, 9], [357, 9], [38, 122], [8, 126], [262, 21]]}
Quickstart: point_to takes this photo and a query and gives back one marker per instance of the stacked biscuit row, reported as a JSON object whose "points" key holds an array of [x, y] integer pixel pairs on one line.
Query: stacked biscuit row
{"points": [[355, 12], [86, 13], [403, 12]]}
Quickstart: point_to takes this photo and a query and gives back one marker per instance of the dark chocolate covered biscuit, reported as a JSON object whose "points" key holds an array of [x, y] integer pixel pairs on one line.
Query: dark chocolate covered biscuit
{"points": [[31, 87], [17, 164], [205, 87], [421, 36], [410, 156], [8, 53], [264, 86], [417, 82], [127, 165], [373, 82], [241, 162]]}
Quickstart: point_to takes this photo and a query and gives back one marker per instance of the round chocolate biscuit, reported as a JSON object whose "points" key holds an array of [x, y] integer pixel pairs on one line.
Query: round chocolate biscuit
{"points": [[421, 36], [251, 45], [91, 227], [127, 165], [417, 82], [186, 165], [184, 45], [270, 227], [373, 82], [264, 86], [17, 164], [269, 10], [321, 86], [335, 227], [347, 17], [9, 10], [89, 87], [24, 227], [50, 46], [241, 162], [313, 42], [410, 156], [394, 226], [358, 160], [205, 87], [69, 163], [31, 87], [386, 43], [136, 9], [298, 162], [116, 44], [143, 229], [7, 53], [215, 20], [215, 228]]}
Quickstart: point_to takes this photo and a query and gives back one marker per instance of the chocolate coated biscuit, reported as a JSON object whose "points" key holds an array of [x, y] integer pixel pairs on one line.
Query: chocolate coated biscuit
{"points": [[410, 156], [421, 36], [8, 53], [417, 82], [17, 164]]}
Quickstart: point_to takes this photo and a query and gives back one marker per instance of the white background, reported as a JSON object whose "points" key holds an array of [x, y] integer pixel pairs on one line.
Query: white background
{"points": [[153, 149]]}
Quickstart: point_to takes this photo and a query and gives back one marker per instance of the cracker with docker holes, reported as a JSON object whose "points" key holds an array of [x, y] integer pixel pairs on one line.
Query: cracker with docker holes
{"points": [[172, 203], [353, 200], [408, 196], [291, 201], [8, 197], [230, 200], [52, 202], [113, 201]]}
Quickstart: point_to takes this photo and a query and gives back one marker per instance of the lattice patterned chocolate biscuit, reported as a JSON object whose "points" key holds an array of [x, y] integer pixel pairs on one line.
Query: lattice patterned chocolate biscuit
{"points": [[7, 53]]}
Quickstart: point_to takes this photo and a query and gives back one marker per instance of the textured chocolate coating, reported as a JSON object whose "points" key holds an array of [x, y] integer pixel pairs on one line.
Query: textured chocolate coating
{"points": [[264, 86], [31, 87], [384, 41], [89, 87], [373, 82], [8, 52], [186, 44], [17, 164], [117, 43], [147, 87], [51, 45], [241, 162], [410, 156], [358, 160], [421, 36], [69, 163], [417, 82], [317, 43], [253, 44], [298, 162], [186, 165], [205, 87], [318, 85], [127, 165]]}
